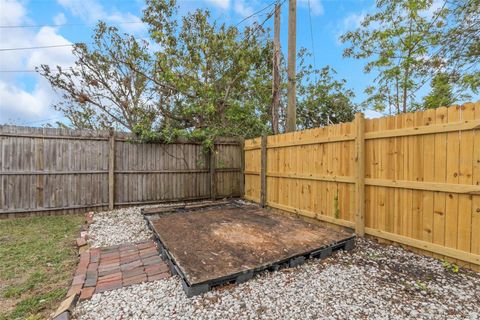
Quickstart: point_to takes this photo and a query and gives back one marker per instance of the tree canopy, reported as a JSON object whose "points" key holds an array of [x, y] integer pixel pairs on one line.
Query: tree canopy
{"points": [[193, 77], [441, 93], [199, 78], [216, 77], [325, 100], [101, 91], [408, 42]]}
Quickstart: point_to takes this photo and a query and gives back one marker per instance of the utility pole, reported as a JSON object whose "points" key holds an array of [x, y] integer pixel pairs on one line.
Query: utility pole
{"points": [[292, 52], [276, 70]]}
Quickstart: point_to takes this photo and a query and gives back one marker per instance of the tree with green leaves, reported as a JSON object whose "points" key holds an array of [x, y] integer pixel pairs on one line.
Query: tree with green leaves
{"points": [[407, 42], [206, 80], [396, 41], [101, 91], [441, 94], [218, 78], [323, 100], [459, 48]]}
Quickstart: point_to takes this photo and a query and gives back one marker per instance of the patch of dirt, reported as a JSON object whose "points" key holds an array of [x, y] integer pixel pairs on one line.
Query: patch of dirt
{"points": [[7, 305], [239, 233]]}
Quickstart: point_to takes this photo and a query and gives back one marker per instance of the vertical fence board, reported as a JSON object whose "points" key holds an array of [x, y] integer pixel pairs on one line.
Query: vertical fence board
{"points": [[45, 171], [440, 176], [451, 205], [429, 176], [360, 175], [465, 174], [475, 233], [263, 172], [111, 170]]}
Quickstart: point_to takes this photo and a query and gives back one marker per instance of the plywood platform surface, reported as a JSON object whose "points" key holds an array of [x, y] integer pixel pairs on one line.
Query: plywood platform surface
{"points": [[216, 242]]}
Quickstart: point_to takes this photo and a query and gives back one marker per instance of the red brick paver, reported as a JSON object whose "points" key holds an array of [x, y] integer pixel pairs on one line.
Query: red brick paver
{"points": [[110, 268], [87, 293], [81, 242]]}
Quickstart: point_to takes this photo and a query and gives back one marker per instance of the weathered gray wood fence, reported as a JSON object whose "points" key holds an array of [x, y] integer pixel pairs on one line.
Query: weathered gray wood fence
{"points": [[45, 170]]}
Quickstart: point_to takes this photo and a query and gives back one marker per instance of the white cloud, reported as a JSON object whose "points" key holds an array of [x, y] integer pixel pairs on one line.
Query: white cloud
{"points": [[91, 11], [350, 22], [27, 97], [242, 9], [11, 13], [24, 107], [135, 27], [316, 6], [221, 4], [370, 114], [353, 20], [88, 10], [60, 18], [61, 56]]}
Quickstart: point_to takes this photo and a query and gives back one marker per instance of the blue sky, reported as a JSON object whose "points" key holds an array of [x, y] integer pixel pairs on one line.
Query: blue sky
{"points": [[26, 99]]}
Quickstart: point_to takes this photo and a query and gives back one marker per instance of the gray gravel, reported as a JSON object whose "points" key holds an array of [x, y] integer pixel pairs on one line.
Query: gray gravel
{"points": [[124, 225], [118, 226], [371, 281]]}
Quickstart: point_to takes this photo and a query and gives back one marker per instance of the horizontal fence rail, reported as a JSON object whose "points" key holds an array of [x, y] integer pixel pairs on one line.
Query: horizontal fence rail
{"points": [[413, 178], [50, 171]]}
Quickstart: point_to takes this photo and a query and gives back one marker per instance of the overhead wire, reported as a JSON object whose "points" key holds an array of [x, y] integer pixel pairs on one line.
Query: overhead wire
{"points": [[256, 13], [269, 15], [18, 71], [33, 70], [38, 47], [124, 22], [257, 27]]}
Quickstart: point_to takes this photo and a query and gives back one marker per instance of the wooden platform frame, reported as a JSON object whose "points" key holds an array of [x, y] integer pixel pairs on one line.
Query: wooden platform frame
{"points": [[239, 277]]}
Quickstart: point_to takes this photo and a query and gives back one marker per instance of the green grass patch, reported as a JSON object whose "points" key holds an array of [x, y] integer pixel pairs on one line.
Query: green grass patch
{"points": [[38, 260]]}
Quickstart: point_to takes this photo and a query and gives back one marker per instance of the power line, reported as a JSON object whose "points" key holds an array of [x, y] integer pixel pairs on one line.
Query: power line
{"points": [[255, 13], [69, 45], [12, 71], [73, 44], [7, 71], [259, 26], [39, 47], [33, 71]]}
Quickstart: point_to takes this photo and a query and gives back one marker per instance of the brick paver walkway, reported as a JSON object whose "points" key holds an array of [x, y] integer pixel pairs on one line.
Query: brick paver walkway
{"points": [[110, 268]]}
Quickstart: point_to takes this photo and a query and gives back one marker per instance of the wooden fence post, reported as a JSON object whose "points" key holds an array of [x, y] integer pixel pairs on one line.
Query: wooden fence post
{"points": [[213, 186], [242, 166], [263, 172], [360, 174], [111, 170]]}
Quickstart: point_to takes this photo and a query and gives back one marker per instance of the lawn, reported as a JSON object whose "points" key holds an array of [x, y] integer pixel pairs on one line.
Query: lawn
{"points": [[37, 261]]}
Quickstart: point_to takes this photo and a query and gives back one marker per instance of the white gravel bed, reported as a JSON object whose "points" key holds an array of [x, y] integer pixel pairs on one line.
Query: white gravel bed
{"points": [[110, 228], [118, 226], [371, 281]]}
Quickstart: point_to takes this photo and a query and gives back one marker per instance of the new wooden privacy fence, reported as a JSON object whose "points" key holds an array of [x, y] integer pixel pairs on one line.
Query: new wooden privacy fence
{"points": [[44, 170], [412, 178]]}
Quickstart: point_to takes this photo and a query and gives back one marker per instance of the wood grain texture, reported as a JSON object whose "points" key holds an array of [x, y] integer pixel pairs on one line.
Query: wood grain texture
{"points": [[422, 178], [54, 171], [360, 175], [263, 172]]}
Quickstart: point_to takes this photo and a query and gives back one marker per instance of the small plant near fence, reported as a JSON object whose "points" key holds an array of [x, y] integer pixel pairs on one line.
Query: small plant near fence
{"points": [[450, 267]]}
